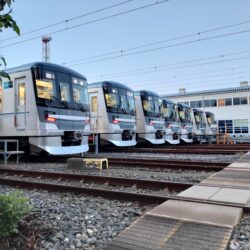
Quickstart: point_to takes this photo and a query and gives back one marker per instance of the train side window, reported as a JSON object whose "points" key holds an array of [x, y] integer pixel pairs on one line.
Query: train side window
{"points": [[1, 97], [94, 104], [21, 94]]}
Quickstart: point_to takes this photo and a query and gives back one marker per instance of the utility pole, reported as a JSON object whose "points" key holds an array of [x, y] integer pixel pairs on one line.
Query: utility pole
{"points": [[46, 49]]}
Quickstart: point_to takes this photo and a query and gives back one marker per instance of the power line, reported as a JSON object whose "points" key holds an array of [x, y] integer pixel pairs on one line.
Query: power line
{"points": [[68, 20], [164, 47], [122, 51], [232, 69], [157, 67], [195, 85], [89, 22], [192, 79]]}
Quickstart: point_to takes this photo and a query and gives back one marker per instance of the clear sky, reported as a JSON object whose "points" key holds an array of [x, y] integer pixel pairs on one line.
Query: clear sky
{"points": [[157, 67]]}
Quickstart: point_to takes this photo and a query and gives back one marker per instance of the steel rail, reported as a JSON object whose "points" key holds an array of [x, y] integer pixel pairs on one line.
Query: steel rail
{"points": [[171, 186], [161, 150], [109, 194], [168, 164]]}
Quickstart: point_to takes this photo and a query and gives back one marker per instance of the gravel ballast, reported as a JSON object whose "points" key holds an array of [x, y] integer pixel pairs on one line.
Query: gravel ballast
{"points": [[241, 237], [78, 221]]}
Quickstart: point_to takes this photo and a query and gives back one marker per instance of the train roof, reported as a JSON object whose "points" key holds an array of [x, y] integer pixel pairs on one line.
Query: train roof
{"points": [[197, 110], [148, 92], [168, 100], [209, 113], [183, 105], [53, 66], [109, 83]]}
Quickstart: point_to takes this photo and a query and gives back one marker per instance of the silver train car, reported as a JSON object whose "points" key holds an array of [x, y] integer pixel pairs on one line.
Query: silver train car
{"points": [[211, 124], [186, 125], [150, 122], [45, 106], [172, 124], [113, 113], [199, 125]]}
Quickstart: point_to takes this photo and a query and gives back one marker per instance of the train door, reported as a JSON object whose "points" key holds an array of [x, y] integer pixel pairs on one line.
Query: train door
{"points": [[20, 114]]}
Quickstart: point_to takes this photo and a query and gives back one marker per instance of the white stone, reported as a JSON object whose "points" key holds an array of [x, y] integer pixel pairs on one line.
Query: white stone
{"points": [[90, 232]]}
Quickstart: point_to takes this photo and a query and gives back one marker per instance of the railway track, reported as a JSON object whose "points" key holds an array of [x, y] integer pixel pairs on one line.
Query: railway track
{"points": [[161, 150], [211, 146], [145, 163], [168, 164], [15, 177]]}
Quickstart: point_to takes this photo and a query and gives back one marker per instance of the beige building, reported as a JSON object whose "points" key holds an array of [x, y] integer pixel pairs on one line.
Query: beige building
{"points": [[231, 106]]}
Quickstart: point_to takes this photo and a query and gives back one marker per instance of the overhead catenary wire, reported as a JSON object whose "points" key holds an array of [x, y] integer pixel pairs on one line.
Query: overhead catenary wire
{"points": [[193, 65], [156, 67], [202, 84], [175, 77], [122, 51], [88, 22], [164, 47], [174, 80], [68, 20]]}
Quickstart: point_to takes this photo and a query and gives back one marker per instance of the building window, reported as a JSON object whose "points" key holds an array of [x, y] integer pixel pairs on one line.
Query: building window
{"points": [[243, 100], [196, 104], [236, 101], [210, 103], [221, 102], [240, 100], [228, 101], [213, 103], [241, 126], [225, 126], [192, 104]]}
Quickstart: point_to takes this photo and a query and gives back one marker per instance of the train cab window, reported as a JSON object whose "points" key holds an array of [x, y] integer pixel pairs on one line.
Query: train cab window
{"points": [[80, 91], [80, 94], [112, 98], [1, 97], [21, 94], [46, 88], [64, 91]]}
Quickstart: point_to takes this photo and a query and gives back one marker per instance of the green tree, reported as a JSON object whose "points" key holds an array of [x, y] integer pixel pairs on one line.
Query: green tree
{"points": [[6, 21]]}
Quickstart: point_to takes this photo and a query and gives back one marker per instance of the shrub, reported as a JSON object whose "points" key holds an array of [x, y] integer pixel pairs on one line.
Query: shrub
{"points": [[13, 207]]}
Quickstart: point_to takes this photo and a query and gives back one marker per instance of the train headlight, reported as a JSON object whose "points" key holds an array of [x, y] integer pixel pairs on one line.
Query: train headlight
{"points": [[50, 119], [116, 121]]}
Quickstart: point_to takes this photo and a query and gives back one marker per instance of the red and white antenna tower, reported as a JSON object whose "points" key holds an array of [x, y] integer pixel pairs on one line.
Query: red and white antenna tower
{"points": [[46, 49]]}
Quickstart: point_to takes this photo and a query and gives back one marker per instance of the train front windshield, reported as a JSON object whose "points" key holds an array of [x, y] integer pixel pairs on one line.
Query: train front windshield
{"points": [[119, 100], [152, 105], [61, 90], [169, 111], [184, 114], [198, 116], [210, 119]]}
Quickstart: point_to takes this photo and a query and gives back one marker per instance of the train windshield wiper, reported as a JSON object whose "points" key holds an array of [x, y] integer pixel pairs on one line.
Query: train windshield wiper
{"points": [[77, 101]]}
